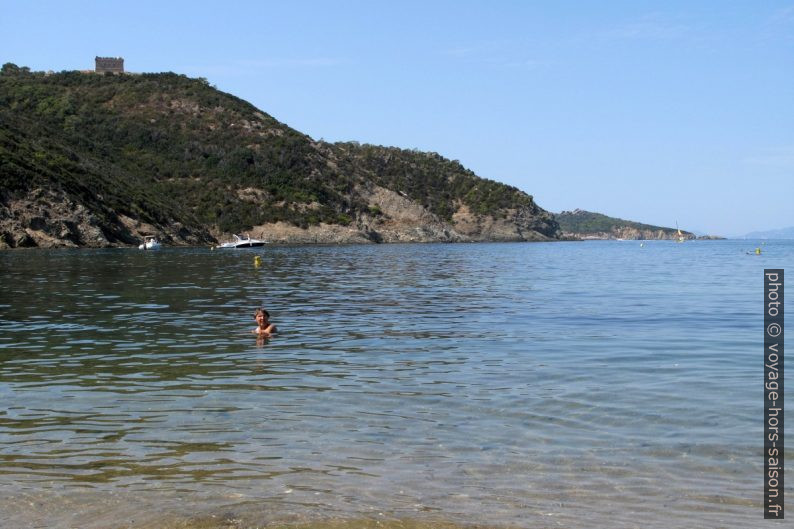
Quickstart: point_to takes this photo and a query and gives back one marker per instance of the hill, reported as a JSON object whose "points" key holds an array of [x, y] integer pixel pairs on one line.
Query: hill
{"points": [[780, 233], [588, 225], [100, 160]]}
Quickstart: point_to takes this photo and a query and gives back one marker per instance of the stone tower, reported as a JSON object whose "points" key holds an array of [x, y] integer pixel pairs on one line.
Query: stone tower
{"points": [[109, 64]]}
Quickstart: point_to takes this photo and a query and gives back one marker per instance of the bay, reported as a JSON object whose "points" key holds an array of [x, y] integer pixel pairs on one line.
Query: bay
{"points": [[592, 384]]}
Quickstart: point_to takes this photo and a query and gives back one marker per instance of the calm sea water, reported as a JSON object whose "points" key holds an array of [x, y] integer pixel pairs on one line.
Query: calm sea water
{"points": [[595, 384]]}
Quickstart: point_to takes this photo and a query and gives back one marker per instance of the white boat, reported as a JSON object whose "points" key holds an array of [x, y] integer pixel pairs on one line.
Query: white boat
{"points": [[149, 243], [239, 242]]}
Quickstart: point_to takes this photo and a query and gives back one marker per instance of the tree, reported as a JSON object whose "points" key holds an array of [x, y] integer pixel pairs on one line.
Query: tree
{"points": [[9, 68]]}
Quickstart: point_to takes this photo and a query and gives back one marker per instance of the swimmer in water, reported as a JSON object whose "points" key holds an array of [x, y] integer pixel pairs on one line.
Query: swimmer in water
{"points": [[264, 327]]}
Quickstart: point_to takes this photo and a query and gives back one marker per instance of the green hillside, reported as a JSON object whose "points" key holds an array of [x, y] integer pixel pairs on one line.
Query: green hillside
{"points": [[164, 148], [588, 223]]}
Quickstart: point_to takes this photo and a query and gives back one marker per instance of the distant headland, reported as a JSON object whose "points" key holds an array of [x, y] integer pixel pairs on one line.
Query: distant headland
{"points": [[779, 233], [587, 225]]}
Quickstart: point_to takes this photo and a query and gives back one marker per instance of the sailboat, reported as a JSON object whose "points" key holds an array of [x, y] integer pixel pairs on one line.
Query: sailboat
{"points": [[681, 237]]}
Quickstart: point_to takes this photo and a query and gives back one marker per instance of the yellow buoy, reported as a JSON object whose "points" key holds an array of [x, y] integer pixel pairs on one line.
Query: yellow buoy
{"points": [[257, 261], [758, 251]]}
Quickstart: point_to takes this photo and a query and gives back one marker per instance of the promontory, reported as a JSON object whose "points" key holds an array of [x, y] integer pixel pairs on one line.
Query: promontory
{"points": [[96, 160]]}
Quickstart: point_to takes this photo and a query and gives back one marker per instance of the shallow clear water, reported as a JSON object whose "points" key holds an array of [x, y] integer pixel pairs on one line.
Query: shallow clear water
{"points": [[595, 384]]}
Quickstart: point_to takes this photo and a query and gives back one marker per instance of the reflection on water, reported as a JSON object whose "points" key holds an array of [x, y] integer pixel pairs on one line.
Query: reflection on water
{"points": [[572, 385]]}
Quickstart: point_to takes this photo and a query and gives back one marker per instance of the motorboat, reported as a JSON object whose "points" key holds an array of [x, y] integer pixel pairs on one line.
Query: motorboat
{"points": [[150, 242], [239, 242]]}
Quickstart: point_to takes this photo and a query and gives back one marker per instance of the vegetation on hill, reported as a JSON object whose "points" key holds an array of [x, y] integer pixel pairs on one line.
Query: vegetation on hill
{"points": [[587, 222], [430, 179], [167, 148]]}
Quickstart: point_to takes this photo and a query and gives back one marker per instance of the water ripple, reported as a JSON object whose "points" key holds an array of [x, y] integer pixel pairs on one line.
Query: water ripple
{"points": [[500, 384]]}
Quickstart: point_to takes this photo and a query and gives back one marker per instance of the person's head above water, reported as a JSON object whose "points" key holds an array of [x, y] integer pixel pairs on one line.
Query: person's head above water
{"points": [[263, 325], [261, 316]]}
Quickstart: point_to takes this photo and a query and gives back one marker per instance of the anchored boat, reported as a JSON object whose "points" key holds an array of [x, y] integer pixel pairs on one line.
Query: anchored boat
{"points": [[239, 242], [149, 243]]}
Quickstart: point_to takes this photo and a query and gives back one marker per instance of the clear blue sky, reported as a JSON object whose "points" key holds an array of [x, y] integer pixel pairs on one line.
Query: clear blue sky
{"points": [[651, 111]]}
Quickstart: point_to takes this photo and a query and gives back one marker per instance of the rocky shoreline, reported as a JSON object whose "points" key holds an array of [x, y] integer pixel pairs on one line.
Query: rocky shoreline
{"points": [[48, 219], [631, 234], [626, 233]]}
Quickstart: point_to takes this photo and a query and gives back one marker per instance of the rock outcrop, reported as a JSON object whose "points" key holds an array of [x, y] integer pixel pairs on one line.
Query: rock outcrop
{"points": [[399, 219], [626, 233], [46, 218]]}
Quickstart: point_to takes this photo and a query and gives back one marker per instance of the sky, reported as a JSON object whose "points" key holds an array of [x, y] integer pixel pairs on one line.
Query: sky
{"points": [[658, 112]]}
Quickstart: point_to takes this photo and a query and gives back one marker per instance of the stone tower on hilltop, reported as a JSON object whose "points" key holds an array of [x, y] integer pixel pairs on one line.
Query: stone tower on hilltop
{"points": [[109, 64]]}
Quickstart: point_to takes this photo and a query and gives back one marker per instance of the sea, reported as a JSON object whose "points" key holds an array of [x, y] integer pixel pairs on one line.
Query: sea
{"points": [[598, 384]]}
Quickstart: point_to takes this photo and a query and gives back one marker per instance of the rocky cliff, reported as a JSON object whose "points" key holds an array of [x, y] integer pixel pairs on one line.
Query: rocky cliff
{"points": [[102, 160]]}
